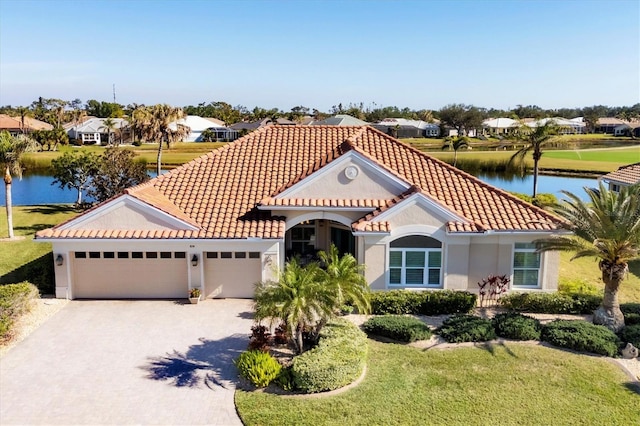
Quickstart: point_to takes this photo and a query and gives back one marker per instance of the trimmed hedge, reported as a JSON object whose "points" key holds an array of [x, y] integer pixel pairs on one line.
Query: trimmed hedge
{"points": [[15, 300], [581, 336], [397, 327], [466, 328], [551, 303], [259, 367], [516, 326], [440, 302], [631, 312], [631, 334], [337, 361]]}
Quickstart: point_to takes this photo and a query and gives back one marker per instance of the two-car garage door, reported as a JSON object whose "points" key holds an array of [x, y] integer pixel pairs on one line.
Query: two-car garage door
{"points": [[130, 275]]}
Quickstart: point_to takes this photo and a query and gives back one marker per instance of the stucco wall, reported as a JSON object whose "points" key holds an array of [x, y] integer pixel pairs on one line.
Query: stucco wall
{"points": [[124, 217], [375, 265]]}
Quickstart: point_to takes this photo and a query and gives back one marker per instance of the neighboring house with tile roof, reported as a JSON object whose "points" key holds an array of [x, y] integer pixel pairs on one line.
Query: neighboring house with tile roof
{"points": [[229, 219], [499, 126], [405, 128], [624, 176], [14, 125], [198, 125]]}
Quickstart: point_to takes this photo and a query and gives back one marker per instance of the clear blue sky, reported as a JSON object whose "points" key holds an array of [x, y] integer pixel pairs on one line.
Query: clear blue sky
{"points": [[418, 54]]}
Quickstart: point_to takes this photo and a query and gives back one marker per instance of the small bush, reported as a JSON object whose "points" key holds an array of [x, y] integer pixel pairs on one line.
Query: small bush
{"points": [[15, 300], [631, 312], [260, 368], [259, 338], [581, 336], [466, 328], [285, 379], [441, 302], [403, 329], [551, 303], [631, 334], [337, 360], [516, 326], [281, 334]]}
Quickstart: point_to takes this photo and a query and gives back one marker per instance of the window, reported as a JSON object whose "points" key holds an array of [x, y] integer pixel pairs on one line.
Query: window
{"points": [[254, 255], [180, 255], [212, 255], [240, 255], [123, 255], [415, 261], [526, 265], [303, 238], [225, 255], [94, 255], [80, 255], [165, 255], [108, 255], [136, 255], [152, 255]]}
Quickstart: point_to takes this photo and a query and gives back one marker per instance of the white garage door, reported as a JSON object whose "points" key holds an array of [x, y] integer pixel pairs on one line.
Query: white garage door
{"points": [[231, 274], [130, 275]]}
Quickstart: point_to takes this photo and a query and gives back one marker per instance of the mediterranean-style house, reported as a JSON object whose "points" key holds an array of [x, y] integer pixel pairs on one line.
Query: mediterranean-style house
{"points": [[624, 176], [231, 218]]}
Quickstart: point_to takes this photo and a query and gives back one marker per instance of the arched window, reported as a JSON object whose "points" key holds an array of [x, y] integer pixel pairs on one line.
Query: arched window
{"points": [[415, 261]]}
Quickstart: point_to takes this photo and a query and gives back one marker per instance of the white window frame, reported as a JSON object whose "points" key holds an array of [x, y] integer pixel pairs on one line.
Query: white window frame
{"points": [[514, 269], [403, 268]]}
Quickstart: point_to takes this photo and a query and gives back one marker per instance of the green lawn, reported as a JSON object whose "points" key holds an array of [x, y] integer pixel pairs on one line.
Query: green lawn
{"points": [[510, 384], [26, 221], [629, 155]]}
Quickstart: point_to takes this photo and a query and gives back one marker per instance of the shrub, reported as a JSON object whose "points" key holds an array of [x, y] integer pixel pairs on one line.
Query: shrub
{"points": [[260, 368], [259, 338], [401, 302], [492, 288], [338, 360], [285, 379], [447, 302], [516, 326], [15, 300], [578, 286], [397, 327], [631, 334], [581, 336], [631, 312], [466, 328], [551, 303]]}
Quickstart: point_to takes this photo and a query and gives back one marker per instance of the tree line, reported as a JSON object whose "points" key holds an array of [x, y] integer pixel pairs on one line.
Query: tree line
{"points": [[58, 111]]}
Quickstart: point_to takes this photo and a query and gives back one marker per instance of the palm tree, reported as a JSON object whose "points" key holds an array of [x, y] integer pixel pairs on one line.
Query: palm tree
{"points": [[345, 278], [153, 124], [11, 150], [455, 143], [23, 112], [299, 298], [535, 139], [109, 125], [607, 228]]}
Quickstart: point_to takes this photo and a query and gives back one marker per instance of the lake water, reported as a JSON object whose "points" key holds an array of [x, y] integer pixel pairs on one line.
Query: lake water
{"points": [[37, 188]]}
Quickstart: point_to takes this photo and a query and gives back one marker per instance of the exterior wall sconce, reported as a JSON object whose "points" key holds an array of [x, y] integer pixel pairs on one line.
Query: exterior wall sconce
{"points": [[194, 260], [268, 260], [59, 260]]}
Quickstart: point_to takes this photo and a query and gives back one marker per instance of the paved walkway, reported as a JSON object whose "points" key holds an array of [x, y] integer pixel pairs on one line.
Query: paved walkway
{"points": [[128, 362]]}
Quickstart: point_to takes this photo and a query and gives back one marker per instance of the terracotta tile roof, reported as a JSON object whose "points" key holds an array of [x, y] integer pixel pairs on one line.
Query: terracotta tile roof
{"points": [[323, 202], [221, 191], [15, 123], [627, 174]]}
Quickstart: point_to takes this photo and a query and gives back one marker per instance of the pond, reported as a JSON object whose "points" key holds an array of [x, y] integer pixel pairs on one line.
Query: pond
{"points": [[37, 188]]}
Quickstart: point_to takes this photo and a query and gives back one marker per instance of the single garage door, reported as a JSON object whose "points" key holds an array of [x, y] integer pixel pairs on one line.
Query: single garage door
{"points": [[232, 274], [130, 275]]}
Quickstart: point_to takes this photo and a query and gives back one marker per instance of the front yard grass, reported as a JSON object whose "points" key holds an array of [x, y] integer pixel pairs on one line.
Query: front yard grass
{"points": [[510, 384]]}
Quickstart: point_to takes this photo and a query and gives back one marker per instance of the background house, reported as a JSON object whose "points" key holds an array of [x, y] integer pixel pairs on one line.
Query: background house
{"points": [[624, 176], [340, 120], [199, 125], [404, 128], [14, 125], [93, 131]]}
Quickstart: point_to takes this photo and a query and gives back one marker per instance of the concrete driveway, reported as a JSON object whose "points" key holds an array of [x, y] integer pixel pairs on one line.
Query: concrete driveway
{"points": [[128, 362]]}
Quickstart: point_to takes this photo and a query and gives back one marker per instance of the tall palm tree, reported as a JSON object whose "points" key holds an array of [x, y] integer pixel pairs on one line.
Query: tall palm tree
{"points": [[455, 143], [24, 112], [11, 150], [534, 139], [607, 228], [153, 124], [109, 125], [298, 298]]}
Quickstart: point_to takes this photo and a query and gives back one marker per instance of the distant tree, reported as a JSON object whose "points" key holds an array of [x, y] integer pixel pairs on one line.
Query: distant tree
{"points": [[50, 139], [462, 117], [535, 140], [103, 109], [12, 148], [152, 124], [455, 143], [297, 113], [73, 170], [529, 111], [607, 227], [23, 113], [590, 117], [425, 115], [116, 171]]}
